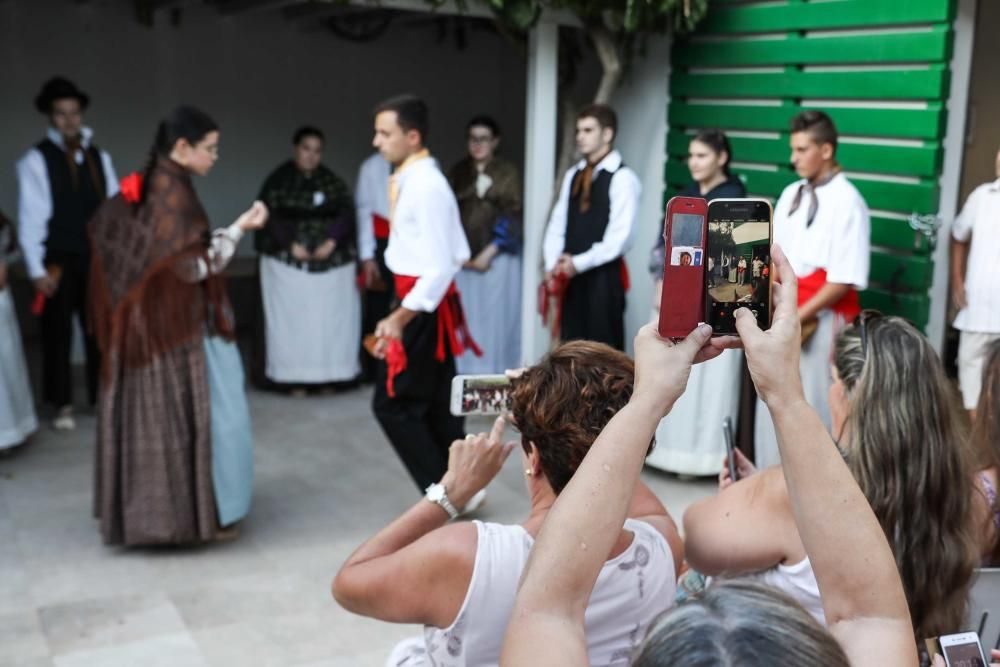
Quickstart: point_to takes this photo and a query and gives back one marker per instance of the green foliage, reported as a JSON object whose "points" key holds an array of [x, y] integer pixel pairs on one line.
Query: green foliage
{"points": [[624, 17]]}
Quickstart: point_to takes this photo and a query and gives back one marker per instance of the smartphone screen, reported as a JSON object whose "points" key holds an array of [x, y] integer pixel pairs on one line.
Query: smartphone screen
{"points": [[480, 394], [964, 655], [738, 263]]}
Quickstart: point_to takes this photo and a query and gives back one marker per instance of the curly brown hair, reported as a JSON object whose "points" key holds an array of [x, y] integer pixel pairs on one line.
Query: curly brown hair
{"points": [[563, 403]]}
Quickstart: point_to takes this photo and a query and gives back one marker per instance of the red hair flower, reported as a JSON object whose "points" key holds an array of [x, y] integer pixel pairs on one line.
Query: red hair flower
{"points": [[131, 187]]}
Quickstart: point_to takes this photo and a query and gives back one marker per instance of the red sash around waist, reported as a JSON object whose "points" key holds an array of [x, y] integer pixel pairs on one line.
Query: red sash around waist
{"points": [[381, 226], [849, 305], [452, 330]]}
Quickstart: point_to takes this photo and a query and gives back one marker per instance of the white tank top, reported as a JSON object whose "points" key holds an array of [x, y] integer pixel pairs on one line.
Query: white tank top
{"points": [[798, 582], [631, 590]]}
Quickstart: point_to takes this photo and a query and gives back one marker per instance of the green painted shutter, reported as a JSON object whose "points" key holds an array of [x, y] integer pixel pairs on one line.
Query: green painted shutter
{"points": [[879, 68]]}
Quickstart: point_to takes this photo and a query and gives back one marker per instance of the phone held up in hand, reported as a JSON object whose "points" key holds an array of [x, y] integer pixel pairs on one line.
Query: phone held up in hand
{"points": [[962, 650], [727, 434], [682, 300], [739, 262], [480, 394]]}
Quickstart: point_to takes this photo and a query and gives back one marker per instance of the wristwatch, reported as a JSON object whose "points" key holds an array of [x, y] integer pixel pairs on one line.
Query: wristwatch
{"points": [[438, 494]]}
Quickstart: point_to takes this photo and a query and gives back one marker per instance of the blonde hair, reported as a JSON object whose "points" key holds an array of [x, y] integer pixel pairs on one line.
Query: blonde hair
{"points": [[907, 448], [739, 622]]}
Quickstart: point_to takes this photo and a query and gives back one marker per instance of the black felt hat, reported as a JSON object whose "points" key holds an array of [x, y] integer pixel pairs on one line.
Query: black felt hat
{"points": [[58, 88]]}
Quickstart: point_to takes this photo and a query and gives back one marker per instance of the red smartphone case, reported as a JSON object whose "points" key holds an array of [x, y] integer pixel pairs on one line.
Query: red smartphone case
{"points": [[682, 302]]}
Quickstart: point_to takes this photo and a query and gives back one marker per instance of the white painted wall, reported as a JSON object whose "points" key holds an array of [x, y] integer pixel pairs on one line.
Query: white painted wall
{"points": [[258, 75], [641, 104]]}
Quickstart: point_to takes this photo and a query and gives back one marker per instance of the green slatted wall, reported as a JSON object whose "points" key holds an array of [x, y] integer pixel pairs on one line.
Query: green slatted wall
{"points": [[878, 67]]}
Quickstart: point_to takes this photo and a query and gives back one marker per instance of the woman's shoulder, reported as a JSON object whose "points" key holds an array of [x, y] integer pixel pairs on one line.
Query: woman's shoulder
{"points": [[732, 188]]}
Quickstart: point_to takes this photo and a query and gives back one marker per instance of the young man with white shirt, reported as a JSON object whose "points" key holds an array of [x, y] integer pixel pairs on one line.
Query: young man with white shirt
{"points": [[589, 231], [419, 339], [61, 182], [822, 224], [975, 281]]}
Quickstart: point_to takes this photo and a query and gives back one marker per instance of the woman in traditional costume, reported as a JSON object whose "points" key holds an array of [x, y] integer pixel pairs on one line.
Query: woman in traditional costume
{"points": [[312, 306], [488, 190], [689, 440], [17, 408], [175, 453]]}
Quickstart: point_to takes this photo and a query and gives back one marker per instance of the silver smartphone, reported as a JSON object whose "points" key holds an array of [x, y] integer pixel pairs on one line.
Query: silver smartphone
{"points": [[480, 394], [962, 650], [727, 435]]}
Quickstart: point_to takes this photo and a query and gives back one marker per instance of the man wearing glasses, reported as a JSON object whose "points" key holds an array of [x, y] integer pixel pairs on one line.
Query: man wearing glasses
{"points": [[488, 190], [61, 182]]}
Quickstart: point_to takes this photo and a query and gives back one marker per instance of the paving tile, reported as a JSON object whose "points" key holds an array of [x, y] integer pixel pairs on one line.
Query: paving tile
{"points": [[109, 622], [21, 638], [172, 650]]}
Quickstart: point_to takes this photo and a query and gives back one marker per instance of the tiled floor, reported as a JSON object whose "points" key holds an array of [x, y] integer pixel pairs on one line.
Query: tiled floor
{"points": [[326, 479]]}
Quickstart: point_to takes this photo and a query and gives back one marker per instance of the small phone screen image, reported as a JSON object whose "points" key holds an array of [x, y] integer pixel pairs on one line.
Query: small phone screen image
{"points": [[964, 655], [739, 266], [686, 234], [486, 396]]}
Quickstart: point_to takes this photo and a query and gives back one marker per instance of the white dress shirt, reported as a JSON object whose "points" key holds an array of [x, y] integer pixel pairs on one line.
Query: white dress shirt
{"points": [[34, 205], [427, 239], [371, 196], [979, 223], [839, 239], [624, 192]]}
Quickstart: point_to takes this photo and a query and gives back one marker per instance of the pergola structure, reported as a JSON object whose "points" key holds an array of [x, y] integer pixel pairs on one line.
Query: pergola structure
{"points": [[541, 112]]}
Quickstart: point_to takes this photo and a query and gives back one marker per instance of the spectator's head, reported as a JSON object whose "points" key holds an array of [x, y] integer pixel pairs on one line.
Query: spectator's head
{"points": [[189, 137], [401, 126], [483, 136], [709, 155], [739, 622], [307, 151], [562, 404], [64, 105], [986, 426], [813, 143], [596, 128], [896, 417]]}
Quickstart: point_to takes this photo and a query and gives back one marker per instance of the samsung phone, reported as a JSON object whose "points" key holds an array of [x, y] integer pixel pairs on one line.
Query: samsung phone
{"points": [[682, 301], [738, 262], [480, 394], [727, 434], [962, 650]]}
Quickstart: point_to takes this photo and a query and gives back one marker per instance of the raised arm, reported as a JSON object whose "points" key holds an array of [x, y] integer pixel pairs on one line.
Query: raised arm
{"points": [[862, 593], [547, 625]]}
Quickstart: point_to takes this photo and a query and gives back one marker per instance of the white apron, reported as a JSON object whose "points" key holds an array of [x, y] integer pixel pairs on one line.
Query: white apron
{"points": [[17, 408], [313, 323]]}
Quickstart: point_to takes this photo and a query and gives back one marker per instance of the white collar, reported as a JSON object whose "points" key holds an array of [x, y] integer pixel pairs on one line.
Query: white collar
{"points": [[86, 134], [995, 186], [611, 162]]}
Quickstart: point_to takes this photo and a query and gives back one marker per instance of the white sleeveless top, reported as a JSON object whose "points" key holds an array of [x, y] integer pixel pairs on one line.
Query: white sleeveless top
{"points": [[798, 582], [631, 590]]}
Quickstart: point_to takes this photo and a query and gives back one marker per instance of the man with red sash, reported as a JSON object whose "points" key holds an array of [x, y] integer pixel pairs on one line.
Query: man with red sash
{"points": [[371, 201], [589, 231], [419, 339], [822, 224]]}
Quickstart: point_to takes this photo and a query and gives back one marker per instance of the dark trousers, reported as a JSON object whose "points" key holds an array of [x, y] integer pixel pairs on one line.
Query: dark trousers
{"points": [[417, 420], [594, 307], [375, 305], [69, 300]]}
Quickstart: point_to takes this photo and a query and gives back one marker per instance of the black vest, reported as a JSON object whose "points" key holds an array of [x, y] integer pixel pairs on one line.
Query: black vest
{"points": [[585, 229], [72, 207]]}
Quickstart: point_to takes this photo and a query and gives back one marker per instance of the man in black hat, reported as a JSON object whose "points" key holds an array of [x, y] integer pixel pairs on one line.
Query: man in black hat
{"points": [[61, 182]]}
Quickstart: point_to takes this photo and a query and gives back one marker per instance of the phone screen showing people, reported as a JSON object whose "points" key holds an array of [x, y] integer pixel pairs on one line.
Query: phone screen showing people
{"points": [[738, 262], [480, 394], [962, 650]]}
